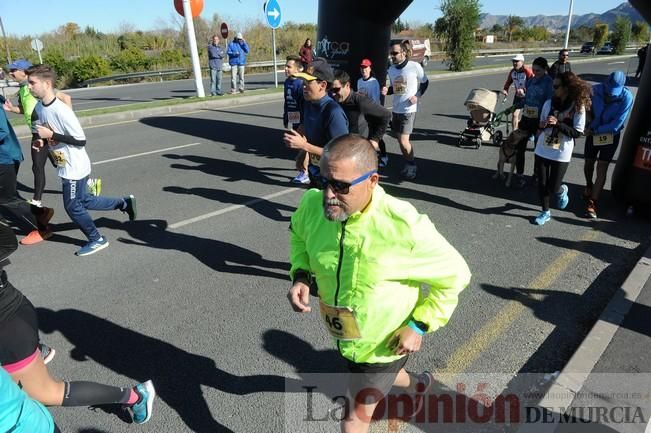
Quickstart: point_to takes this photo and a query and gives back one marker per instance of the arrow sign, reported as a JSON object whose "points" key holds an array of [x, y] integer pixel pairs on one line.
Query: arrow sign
{"points": [[273, 14]]}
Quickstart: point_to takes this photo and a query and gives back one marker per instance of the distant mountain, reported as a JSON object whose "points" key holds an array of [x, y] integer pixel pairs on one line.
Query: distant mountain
{"points": [[559, 22]]}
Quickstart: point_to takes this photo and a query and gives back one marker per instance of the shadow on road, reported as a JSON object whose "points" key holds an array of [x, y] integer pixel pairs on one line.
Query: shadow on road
{"points": [[231, 170], [244, 137], [266, 208], [177, 374], [218, 255]]}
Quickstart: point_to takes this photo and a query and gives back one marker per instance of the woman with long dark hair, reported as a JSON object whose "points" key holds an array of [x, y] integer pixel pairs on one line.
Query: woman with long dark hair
{"points": [[306, 53], [562, 120]]}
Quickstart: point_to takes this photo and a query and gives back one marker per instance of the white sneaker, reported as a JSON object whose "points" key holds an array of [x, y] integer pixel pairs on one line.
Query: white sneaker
{"points": [[36, 203]]}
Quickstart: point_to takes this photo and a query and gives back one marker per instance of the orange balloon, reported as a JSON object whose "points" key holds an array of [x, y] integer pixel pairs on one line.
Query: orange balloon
{"points": [[196, 6]]}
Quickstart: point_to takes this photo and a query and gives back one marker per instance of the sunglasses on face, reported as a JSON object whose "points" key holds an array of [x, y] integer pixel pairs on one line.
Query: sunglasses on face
{"points": [[338, 186], [557, 86], [395, 53], [335, 89]]}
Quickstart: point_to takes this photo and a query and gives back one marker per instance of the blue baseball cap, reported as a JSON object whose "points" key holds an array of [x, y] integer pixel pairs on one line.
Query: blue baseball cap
{"points": [[20, 64], [615, 83]]}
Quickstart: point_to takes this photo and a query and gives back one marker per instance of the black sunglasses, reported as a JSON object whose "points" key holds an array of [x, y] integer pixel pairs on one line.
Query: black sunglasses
{"points": [[395, 53], [335, 89], [338, 186]]}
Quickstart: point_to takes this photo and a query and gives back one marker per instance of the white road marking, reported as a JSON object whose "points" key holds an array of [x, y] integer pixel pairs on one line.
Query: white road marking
{"points": [[144, 153], [231, 208], [617, 63]]}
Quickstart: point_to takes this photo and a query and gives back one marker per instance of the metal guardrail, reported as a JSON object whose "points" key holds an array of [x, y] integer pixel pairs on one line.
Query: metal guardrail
{"points": [[163, 73], [269, 63]]}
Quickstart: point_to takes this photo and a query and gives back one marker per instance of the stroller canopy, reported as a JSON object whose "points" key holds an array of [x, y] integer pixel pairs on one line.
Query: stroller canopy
{"points": [[481, 99]]}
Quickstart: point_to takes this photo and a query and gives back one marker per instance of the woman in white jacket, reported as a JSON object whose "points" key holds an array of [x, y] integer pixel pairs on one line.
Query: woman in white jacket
{"points": [[562, 120]]}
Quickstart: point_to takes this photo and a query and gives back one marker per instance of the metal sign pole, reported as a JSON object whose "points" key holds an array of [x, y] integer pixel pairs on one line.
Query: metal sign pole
{"points": [[569, 24], [273, 38], [40, 59]]}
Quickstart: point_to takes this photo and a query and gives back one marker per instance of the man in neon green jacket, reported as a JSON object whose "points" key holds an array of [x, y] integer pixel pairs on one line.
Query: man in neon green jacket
{"points": [[368, 253]]}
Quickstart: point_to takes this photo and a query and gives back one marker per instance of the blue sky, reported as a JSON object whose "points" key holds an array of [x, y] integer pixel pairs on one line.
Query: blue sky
{"points": [[151, 14]]}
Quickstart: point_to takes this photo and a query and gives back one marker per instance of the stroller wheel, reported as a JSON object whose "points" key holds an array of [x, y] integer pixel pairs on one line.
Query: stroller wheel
{"points": [[477, 143], [498, 137]]}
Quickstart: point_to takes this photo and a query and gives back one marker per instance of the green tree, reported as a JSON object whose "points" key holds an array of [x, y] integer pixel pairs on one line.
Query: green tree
{"points": [[600, 35], [398, 26], [640, 32], [461, 21], [621, 34], [512, 24], [130, 60], [69, 30], [497, 30]]}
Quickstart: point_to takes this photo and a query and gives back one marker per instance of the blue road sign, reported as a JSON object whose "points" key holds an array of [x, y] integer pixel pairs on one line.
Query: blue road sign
{"points": [[272, 13]]}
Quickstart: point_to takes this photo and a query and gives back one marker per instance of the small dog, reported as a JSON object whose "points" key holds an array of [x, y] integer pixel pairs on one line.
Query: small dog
{"points": [[507, 154]]}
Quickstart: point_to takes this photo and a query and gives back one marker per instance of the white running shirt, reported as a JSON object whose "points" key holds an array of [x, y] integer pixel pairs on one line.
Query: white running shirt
{"points": [[406, 82], [72, 161]]}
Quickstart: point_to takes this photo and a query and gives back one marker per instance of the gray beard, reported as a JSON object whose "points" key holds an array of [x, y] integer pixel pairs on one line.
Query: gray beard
{"points": [[342, 216]]}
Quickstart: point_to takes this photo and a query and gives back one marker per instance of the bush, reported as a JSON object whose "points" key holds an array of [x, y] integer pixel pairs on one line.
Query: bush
{"points": [[89, 67], [130, 60]]}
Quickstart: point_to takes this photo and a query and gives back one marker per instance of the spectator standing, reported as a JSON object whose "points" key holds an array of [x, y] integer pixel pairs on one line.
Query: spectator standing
{"points": [[517, 77], [215, 60], [561, 65], [237, 52], [408, 84], [611, 104], [306, 53]]}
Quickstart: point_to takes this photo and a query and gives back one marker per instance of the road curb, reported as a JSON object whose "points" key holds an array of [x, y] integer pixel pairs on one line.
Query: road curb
{"points": [[570, 381]]}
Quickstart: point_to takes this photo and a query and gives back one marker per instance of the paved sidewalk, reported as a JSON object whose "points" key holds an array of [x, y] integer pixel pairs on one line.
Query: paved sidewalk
{"points": [[609, 376]]}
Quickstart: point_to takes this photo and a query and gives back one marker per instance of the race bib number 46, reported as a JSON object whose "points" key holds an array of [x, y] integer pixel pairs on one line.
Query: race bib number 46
{"points": [[340, 322], [602, 139]]}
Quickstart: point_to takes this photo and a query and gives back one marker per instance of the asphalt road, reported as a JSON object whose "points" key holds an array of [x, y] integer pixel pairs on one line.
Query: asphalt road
{"points": [[108, 96], [192, 294]]}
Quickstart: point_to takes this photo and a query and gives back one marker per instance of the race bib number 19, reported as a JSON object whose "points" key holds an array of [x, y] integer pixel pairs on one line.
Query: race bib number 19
{"points": [[602, 140], [531, 112], [340, 322]]}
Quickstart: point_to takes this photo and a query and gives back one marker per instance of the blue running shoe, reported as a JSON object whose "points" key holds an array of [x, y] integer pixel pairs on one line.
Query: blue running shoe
{"points": [[563, 198], [142, 409], [93, 247], [543, 217], [302, 178]]}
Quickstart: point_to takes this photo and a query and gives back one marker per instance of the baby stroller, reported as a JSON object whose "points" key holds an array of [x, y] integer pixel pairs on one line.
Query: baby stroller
{"points": [[484, 121]]}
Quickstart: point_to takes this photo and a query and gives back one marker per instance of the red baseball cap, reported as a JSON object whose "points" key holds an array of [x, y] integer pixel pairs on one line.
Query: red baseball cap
{"points": [[366, 62]]}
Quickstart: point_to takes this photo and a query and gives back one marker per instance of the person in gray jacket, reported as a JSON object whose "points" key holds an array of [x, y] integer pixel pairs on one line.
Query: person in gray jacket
{"points": [[215, 59]]}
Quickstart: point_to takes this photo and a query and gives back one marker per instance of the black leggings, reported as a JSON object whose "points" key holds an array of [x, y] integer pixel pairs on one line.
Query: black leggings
{"points": [[39, 159], [383, 147], [550, 177]]}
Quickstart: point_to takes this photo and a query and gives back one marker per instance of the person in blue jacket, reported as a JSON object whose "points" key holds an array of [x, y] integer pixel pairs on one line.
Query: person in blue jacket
{"points": [[237, 51], [215, 58], [611, 105], [538, 89], [19, 413]]}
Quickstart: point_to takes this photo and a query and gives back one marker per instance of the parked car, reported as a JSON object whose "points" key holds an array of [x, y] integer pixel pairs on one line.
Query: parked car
{"points": [[588, 47], [608, 48], [420, 49]]}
